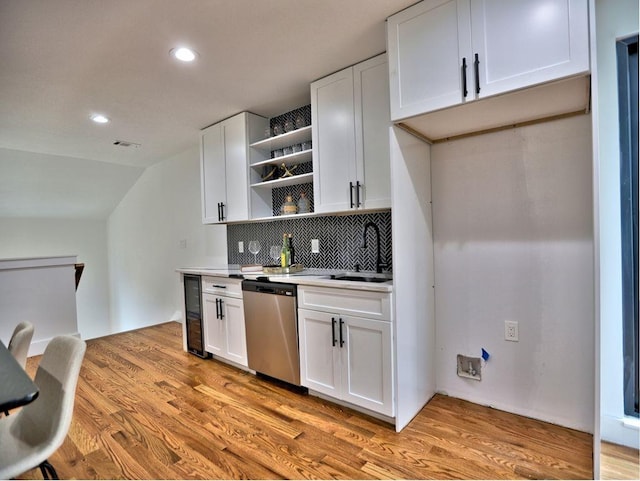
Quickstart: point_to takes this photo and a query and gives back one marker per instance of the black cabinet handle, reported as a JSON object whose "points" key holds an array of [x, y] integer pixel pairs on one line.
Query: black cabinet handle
{"points": [[476, 68], [217, 308], [358, 194], [341, 339], [333, 331], [219, 214], [221, 310], [218, 286], [351, 194], [465, 92], [221, 211]]}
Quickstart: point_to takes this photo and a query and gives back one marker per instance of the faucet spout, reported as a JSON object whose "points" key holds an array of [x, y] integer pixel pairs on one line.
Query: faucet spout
{"points": [[364, 243]]}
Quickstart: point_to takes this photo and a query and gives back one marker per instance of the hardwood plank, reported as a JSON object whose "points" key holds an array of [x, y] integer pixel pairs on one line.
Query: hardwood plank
{"points": [[145, 409], [619, 462]]}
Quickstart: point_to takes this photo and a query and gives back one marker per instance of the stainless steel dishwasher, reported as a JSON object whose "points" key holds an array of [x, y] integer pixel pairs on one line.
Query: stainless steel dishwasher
{"points": [[270, 315]]}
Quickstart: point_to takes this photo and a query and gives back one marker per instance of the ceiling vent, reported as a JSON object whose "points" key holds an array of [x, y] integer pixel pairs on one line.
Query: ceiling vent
{"points": [[125, 143]]}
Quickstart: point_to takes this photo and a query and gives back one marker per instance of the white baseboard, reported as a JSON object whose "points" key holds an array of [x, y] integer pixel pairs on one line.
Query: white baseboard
{"points": [[37, 347], [623, 431]]}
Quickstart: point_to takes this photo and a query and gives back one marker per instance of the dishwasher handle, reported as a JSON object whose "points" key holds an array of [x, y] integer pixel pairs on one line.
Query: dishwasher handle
{"points": [[265, 290]]}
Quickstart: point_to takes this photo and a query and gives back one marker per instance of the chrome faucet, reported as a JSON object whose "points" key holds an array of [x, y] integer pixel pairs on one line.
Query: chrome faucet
{"points": [[379, 263]]}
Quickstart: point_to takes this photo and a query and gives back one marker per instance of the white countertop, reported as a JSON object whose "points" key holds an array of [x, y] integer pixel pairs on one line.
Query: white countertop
{"points": [[309, 277]]}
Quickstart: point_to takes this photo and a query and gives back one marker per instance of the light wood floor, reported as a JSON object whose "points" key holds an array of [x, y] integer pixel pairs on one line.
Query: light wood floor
{"points": [[619, 462], [146, 410]]}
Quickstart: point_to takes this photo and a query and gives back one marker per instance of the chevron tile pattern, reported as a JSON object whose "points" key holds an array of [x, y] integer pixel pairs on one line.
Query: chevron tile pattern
{"points": [[340, 240]]}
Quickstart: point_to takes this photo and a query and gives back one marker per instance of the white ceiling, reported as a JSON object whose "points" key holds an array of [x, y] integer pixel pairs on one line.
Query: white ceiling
{"points": [[61, 60]]}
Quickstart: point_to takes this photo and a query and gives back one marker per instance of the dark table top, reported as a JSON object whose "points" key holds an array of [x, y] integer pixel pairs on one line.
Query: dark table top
{"points": [[16, 387]]}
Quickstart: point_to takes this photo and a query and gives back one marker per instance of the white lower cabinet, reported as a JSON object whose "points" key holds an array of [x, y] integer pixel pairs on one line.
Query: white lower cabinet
{"points": [[224, 334], [347, 357]]}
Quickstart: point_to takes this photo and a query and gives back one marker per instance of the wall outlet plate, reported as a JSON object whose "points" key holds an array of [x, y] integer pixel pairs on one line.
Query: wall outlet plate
{"points": [[240, 247], [315, 246], [511, 331], [469, 367]]}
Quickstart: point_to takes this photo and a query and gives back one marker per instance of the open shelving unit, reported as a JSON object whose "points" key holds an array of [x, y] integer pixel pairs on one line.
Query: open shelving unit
{"points": [[294, 137], [284, 181], [265, 196]]}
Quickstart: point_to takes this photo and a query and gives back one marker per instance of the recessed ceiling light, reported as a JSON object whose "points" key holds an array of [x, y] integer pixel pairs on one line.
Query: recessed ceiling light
{"points": [[184, 54], [100, 119]]}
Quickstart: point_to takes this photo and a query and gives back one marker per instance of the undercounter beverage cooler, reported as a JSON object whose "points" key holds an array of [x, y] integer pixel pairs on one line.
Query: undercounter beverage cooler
{"points": [[193, 314]]}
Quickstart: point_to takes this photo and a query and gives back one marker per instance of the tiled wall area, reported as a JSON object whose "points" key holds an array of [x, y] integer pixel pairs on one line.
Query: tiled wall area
{"points": [[340, 240]]}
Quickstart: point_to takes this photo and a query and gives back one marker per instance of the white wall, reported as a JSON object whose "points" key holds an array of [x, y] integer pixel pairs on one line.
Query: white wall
{"points": [[56, 237], [614, 19], [144, 236], [513, 241]]}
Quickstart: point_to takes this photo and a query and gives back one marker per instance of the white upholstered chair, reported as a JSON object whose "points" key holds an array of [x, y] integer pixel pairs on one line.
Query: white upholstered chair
{"points": [[29, 437], [20, 342]]}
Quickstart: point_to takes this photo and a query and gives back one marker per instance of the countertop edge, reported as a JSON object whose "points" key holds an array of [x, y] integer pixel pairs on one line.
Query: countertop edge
{"points": [[310, 277]]}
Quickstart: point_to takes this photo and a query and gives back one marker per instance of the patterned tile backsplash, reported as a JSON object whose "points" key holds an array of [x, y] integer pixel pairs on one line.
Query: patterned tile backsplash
{"points": [[340, 240]]}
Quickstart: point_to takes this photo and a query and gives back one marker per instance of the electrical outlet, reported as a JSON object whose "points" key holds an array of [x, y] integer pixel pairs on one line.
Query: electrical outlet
{"points": [[510, 331], [240, 247], [315, 246], [183, 244]]}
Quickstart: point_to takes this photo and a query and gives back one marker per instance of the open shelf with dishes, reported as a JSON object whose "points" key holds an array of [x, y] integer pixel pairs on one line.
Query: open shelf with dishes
{"points": [[281, 168], [287, 139]]}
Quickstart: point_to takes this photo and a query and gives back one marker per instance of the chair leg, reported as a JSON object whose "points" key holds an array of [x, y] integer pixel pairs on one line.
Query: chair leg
{"points": [[47, 469]]}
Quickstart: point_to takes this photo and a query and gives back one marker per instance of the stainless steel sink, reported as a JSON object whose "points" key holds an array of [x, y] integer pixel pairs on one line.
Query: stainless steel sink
{"points": [[359, 278]]}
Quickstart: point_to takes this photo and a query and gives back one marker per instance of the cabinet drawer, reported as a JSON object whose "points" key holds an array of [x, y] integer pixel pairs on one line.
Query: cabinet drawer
{"points": [[222, 286], [372, 305]]}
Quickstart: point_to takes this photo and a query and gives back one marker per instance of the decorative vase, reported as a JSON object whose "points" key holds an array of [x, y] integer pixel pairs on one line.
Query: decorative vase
{"points": [[289, 206], [303, 203]]}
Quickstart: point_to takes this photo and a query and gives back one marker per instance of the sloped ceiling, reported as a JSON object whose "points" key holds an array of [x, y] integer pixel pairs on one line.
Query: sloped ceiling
{"points": [[62, 60]]}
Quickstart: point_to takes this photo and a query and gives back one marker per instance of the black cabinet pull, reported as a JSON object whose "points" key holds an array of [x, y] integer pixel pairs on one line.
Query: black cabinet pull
{"points": [[218, 211], [351, 194], [333, 331], [476, 68], [341, 339], [221, 310], [218, 286], [358, 194], [221, 211], [465, 92], [217, 308]]}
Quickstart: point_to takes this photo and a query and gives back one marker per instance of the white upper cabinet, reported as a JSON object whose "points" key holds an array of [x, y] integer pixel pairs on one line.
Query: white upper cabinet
{"points": [[224, 167], [212, 173], [446, 52], [334, 143], [372, 122], [350, 118], [528, 42], [426, 45]]}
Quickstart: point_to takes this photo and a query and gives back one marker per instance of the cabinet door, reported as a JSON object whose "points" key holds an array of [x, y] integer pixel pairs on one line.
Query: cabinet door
{"points": [[426, 45], [237, 168], [212, 172], [332, 113], [527, 42], [236, 339], [372, 122], [319, 358], [367, 378], [214, 333]]}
